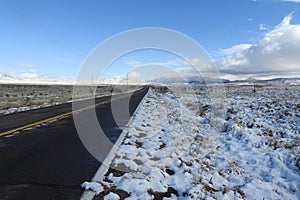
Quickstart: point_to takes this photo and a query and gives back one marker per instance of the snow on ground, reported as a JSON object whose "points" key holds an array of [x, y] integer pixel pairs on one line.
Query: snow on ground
{"points": [[44, 105], [26, 108], [111, 196], [181, 148], [96, 187], [19, 98], [33, 107]]}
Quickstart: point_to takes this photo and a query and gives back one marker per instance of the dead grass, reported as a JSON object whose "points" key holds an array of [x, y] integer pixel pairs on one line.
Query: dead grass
{"points": [[161, 195], [203, 110]]}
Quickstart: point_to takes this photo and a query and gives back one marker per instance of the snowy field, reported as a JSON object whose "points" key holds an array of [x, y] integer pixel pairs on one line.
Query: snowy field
{"points": [[18, 98], [182, 147]]}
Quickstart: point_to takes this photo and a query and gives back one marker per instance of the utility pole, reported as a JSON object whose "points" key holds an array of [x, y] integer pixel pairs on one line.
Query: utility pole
{"points": [[127, 80], [92, 86], [254, 90], [227, 89], [44, 97]]}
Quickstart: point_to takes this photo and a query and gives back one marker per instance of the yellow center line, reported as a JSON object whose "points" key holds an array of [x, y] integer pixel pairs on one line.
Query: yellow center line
{"points": [[52, 119], [49, 120]]}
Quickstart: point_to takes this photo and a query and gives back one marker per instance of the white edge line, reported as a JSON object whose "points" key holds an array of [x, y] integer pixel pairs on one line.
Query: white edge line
{"points": [[99, 175]]}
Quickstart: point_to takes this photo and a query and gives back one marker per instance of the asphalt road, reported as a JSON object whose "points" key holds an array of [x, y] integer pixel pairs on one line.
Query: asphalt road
{"points": [[49, 161]]}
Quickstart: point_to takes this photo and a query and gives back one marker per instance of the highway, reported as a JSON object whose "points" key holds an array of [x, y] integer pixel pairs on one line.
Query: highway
{"points": [[41, 155]]}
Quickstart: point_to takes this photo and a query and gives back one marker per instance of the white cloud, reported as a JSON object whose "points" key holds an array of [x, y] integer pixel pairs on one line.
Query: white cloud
{"points": [[133, 63], [177, 62], [134, 77], [235, 55], [262, 27], [61, 59], [173, 63], [294, 1], [29, 76], [277, 52], [275, 55], [32, 77], [176, 69], [123, 77], [237, 49], [24, 65], [134, 74]]}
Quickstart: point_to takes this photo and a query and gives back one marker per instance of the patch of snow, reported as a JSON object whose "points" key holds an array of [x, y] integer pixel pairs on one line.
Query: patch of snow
{"points": [[183, 148], [94, 186], [111, 196]]}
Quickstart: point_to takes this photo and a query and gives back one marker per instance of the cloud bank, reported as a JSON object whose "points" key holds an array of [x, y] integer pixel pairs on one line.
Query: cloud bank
{"points": [[294, 1], [32, 77], [24, 65], [276, 53]]}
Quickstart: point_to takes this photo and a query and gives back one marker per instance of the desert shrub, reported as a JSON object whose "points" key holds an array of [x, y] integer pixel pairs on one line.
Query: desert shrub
{"points": [[27, 101], [51, 101], [203, 109]]}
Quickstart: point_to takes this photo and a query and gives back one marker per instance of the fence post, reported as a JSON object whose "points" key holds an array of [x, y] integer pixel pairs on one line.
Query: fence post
{"points": [[254, 90]]}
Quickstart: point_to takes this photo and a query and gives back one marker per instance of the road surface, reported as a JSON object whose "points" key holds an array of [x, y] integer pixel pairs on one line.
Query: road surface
{"points": [[41, 155]]}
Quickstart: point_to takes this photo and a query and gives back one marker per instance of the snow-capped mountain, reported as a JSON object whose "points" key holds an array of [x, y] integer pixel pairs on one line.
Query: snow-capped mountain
{"points": [[6, 77], [32, 78]]}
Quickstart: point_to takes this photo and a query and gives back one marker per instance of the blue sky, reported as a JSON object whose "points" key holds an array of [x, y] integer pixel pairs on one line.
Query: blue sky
{"points": [[51, 39]]}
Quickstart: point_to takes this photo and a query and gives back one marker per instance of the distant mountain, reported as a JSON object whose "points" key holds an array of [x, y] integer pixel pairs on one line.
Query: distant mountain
{"points": [[251, 80], [190, 80], [289, 81], [6, 77], [10, 79], [209, 81]]}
